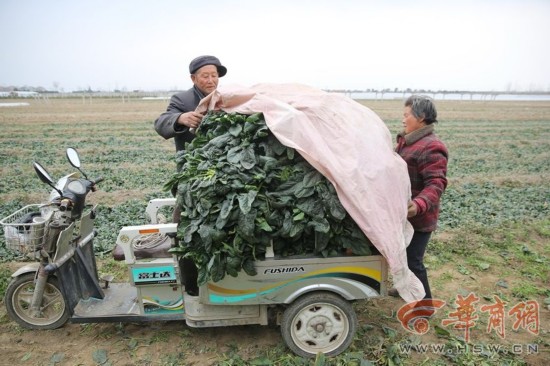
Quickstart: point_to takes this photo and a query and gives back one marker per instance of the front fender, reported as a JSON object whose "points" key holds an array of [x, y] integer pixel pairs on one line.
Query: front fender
{"points": [[28, 268]]}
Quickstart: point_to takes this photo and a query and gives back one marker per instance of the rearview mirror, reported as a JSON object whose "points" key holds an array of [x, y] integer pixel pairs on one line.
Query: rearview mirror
{"points": [[73, 157], [42, 173]]}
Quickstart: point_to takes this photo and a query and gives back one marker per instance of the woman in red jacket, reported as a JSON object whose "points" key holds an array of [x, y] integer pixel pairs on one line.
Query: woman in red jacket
{"points": [[426, 157]]}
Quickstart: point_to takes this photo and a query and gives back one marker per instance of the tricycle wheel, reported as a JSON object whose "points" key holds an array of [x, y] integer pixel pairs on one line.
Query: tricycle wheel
{"points": [[53, 310], [319, 322]]}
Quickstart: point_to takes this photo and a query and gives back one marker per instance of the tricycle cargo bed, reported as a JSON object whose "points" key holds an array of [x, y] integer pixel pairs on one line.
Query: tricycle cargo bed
{"points": [[281, 281]]}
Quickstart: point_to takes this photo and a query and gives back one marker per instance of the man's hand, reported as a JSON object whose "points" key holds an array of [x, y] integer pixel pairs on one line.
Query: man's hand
{"points": [[411, 209], [190, 119]]}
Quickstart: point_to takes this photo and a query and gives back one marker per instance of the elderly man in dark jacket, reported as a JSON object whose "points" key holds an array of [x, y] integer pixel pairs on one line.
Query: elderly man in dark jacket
{"points": [[180, 116], [178, 120]]}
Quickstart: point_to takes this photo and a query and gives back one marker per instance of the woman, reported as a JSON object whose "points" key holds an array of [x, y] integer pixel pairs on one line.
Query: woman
{"points": [[426, 157]]}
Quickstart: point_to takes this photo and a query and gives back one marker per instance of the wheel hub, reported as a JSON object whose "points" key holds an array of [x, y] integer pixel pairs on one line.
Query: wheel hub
{"points": [[319, 326]]}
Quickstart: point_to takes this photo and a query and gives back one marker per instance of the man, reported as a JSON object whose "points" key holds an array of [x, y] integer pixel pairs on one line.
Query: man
{"points": [[178, 120], [180, 116]]}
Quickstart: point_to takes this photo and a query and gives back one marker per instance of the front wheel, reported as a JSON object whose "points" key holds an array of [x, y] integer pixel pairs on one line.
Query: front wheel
{"points": [[53, 312], [319, 322]]}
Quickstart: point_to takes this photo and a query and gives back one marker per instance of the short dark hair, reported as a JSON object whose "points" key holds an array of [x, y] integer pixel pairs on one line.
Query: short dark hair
{"points": [[422, 107]]}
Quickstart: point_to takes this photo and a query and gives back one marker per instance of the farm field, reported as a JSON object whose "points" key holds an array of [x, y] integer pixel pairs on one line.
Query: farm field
{"points": [[493, 239]]}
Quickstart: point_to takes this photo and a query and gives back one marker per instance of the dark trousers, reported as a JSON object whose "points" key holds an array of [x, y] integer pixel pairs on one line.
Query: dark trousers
{"points": [[188, 268], [415, 258]]}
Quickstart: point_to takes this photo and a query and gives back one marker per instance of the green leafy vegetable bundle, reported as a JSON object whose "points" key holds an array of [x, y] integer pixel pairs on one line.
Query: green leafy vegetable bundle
{"points": [[240, 190]]}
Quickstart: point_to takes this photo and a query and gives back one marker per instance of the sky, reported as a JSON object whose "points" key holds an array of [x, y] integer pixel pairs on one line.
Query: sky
{"points": [[476, 45]]}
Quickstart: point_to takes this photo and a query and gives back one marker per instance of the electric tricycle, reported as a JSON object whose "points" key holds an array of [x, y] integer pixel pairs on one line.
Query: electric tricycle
{"points": [[309, 297]]}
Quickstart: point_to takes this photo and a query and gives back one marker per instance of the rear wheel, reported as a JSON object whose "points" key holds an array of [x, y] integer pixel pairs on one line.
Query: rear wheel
{"points": [[319, 322], [53, 312]]}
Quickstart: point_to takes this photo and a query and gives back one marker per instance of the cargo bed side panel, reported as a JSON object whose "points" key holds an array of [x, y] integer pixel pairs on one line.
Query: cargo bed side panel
{"points": [[283, 280]]}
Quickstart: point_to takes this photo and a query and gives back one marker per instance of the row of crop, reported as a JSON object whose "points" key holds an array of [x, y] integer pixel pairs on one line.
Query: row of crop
{"points": [[481, 204], [135, 155]]}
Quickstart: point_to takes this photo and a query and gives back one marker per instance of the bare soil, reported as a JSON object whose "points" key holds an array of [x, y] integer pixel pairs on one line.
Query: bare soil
{"points": [[174, 343]]}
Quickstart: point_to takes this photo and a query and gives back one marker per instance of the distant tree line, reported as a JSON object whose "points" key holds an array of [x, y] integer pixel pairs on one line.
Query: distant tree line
{"points": [[42, 90], [429, 91]]}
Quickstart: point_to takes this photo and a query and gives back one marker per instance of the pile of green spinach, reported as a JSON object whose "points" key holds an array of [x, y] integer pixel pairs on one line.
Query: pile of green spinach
{"points": [[240, 190]]}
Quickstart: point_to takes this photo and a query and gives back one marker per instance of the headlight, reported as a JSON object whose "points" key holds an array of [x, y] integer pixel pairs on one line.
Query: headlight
{"points": [[76, 187]]}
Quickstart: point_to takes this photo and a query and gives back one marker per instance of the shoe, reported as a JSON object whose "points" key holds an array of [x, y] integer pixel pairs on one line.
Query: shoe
{"points": [[393, 292]]}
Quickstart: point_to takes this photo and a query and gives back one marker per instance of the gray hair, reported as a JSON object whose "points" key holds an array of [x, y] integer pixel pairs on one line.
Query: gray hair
{"points": [[422, 107]]}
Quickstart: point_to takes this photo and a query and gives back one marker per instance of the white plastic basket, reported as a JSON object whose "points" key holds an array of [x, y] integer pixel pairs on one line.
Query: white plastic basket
{"points": [[24, 229]]}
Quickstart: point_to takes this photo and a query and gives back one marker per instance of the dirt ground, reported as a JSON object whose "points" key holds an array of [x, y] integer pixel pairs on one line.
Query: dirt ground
{"points": [[175, 343]]}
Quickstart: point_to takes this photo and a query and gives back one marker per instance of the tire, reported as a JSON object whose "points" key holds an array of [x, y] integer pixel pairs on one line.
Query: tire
{"points": [[54, 310], [319, 322]]}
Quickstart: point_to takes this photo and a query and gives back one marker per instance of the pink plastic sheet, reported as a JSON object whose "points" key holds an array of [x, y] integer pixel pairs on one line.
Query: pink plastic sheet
{"points": [[352, 147]]}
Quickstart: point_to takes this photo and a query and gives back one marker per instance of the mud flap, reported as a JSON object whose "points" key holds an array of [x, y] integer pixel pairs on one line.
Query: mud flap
{"points": [[78, 277]]}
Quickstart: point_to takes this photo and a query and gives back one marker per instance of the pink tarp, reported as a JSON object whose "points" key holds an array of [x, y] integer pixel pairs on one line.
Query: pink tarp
{"points": [[352, 147]]}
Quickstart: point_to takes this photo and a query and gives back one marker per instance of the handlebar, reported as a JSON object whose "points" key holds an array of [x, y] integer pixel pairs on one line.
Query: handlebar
{"points": [[65, 204], [73, 195], [94, 182], [70, 191]]}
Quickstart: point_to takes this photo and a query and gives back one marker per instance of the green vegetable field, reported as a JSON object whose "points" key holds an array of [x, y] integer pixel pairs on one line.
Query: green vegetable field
{"points": [[493, 237]]}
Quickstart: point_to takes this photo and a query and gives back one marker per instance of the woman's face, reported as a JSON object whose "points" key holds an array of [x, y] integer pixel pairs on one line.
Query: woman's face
{"points": [[410, 122], [206, 79]]}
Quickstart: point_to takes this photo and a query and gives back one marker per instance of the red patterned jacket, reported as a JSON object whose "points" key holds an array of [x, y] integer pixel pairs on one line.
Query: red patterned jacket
{"points": [[426, 156]]}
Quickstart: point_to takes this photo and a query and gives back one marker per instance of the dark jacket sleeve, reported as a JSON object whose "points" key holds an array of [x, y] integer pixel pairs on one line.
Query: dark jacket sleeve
{"points": [[166, 125]]}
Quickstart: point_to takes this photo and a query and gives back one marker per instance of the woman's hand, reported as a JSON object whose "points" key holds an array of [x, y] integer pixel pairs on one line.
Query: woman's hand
{"points": [[411, 209]]}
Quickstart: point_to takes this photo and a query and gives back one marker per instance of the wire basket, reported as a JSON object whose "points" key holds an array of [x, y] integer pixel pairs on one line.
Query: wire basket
{"points": [[25, 228]]}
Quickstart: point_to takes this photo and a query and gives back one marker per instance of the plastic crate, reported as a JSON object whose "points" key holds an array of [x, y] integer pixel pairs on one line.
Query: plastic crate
{"points": [[24, 229]]}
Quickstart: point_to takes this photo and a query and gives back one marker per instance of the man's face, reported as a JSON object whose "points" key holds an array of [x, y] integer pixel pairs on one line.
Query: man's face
{"points": [[206, 79]]}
